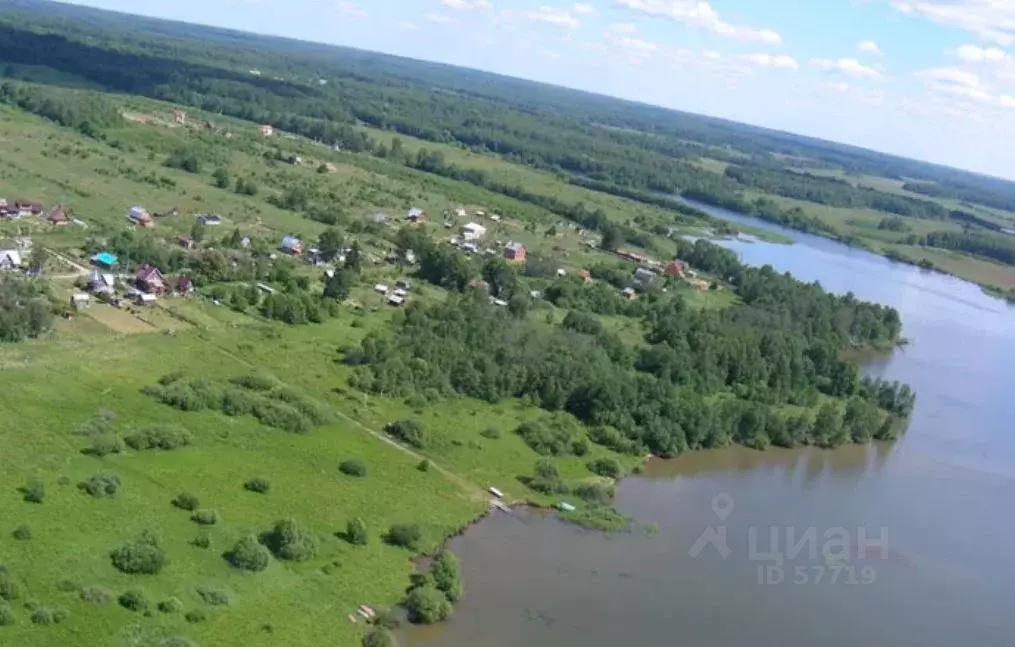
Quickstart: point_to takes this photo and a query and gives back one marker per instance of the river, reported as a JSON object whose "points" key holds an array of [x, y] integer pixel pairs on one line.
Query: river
{"points": [[938, 501]]}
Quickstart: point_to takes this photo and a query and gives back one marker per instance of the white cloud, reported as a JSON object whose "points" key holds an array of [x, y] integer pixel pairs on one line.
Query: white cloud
{"points": [[622, 28], [964, 84], [951, 76], [351, 9], [991, 20], [975, 54], [767, 60], [847, 66], [700, 14], [466, 5], [440, 18], [841, 87], [406, 25], [869, 47], [583, 9], [554, 16], [1007, 101]]}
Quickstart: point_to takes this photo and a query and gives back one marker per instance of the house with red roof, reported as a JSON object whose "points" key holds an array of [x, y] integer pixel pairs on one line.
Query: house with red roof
{"points": [[150, 280]]}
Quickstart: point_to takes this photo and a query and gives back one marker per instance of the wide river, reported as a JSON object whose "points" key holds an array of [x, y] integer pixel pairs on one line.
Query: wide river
{"points": [[941, 502]]}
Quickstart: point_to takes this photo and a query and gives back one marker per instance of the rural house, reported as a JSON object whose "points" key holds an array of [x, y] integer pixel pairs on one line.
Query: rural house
{"points": [[265, 130], [104, 259], [472, 231], [515, 252], [643, 275], [10, 259], [140, 216], [58, 216], [416, 215], [630, 294], [585, 275], [150, 280], [292, 245], [101, 283], [80, 300], [210, 220], [676, 268], [185, 286]]}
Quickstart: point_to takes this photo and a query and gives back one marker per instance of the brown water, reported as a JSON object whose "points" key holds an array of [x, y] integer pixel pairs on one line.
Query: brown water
{"points": [[940, 501]]}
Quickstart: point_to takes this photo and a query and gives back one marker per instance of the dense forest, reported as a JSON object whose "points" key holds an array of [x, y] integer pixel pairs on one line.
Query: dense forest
{"points": [[705, 378], [615, 146], [25, 309], [997, 247]]}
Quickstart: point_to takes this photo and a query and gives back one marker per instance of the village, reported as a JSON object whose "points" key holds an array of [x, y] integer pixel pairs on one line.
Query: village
{"points": [[136, 284]]}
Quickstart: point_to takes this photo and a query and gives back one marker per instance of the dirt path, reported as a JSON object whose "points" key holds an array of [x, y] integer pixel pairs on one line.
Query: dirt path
{"points": [[81, 269]]}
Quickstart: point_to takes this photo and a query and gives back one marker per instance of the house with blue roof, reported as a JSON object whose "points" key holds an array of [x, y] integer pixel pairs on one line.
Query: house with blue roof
{"points": [[104, 259]]}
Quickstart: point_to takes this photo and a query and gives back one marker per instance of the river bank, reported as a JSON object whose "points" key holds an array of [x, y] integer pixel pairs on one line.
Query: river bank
{"points": [[935, 496]]}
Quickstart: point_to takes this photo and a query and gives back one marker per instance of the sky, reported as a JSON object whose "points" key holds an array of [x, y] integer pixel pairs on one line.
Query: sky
{"points": [[929, 79]]}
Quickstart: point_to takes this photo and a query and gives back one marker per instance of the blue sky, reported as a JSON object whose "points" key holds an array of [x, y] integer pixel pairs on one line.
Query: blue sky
{"points": [[931, 79]]}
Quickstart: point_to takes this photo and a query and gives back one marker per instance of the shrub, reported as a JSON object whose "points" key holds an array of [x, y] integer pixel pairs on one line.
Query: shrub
{"points": [[595, 493], [258, 485], [409, 432], [195, 616], [213, 597], [553, 435], [95, 595], [256, 382], [405, 535], [378, 637], [22, 533], [175, 641], [134, 600], [446, 574], [6, 615], [605, 467], [142, 556], [427, 605], [249, 555], [67, 586], [356, 532], [282, 416], [490, 432], [42, 616], [171, 605], [34, 492], [10, 588], [236, 402], [101, 486], [547, 479], [105, 446], [60, 615], [201, 541], [205, 517], [163, 437], [424, 466], [290, 542], [353, 467], [186, 501]]}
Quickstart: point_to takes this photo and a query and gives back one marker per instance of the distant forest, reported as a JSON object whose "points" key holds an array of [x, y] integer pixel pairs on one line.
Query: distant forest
{"points": [[630, 149]]}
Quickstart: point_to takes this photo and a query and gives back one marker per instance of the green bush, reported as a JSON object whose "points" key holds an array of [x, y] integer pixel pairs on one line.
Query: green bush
{"points": [[105, 446], [404, 535], [249, 555], [213, 597], [186, 501], [427, 605], [95, 595], [22, 533], [607, 467], [556, 434], [162, 437], [175, 641], [60, 615], [547, 479], [101, 486], [195, 616], [282, 416], [201, 541], [259, 485], [423, 466], [378, 637], [595, 493], [134, 600], [171, 605], [353, 467], [409, 432], [356, 532], [142, 556], [6, 615], [42, 616], [205, 517], [446, 574], [10, 588], [288, 541], [490, 432], [256, 382], [34, 492]]}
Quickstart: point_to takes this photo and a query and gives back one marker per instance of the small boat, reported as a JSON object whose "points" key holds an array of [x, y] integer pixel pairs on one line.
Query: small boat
{"points": [[563, 506]]}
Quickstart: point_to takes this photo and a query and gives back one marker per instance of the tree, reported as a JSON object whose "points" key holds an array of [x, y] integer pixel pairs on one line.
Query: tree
{"points": [[36, 260], [446, 574], [500, 276], [288, 541], [249, 555], [339, 284], [613, 237], [353, 259], [259, 485], [186, 501], [330, 243], [198, 231], [142, 556], [427, 605], [101, 485], [404, 535], [353, 467], [409, 431], [356, 532], [135, 600], [34, 492], [221, 177], [378, 637]]}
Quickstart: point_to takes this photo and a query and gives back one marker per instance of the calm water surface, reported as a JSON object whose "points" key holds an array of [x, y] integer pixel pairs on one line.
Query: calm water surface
{"points": [[942, 499]]}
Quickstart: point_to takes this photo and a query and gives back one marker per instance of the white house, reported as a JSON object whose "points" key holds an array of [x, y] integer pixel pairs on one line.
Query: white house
{"points": [[472, 231], [101, 283], [643, 275], [80, 300], [381, 288], [10, 259]]}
